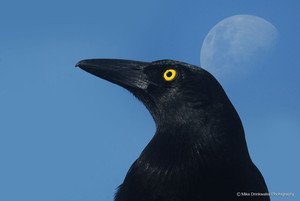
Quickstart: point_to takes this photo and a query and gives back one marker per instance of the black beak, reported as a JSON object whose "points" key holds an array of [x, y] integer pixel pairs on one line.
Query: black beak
{"points": [[126, 73]]}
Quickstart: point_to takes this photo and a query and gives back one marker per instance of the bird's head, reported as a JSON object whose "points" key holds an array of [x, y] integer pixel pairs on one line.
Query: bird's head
{"points": [[187, 103], [166, 87]]}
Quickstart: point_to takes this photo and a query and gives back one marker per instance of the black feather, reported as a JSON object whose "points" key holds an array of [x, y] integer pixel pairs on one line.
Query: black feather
{"points": [[198, 152]]}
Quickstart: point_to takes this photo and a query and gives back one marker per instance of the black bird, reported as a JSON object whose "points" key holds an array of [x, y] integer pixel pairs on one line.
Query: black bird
{"points": [[198, 152]]}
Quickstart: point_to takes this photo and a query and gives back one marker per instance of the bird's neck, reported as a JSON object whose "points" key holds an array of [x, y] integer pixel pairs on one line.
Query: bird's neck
{"points": [[199, 138]]}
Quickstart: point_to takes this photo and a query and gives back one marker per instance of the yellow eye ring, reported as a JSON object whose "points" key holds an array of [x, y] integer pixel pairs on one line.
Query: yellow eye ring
{"points": [[170, 74]]}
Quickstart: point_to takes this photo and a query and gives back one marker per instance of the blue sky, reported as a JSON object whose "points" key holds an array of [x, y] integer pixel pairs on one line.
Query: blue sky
{"points": [[62, 130]]}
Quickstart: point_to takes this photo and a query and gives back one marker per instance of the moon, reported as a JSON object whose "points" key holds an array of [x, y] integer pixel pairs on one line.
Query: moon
{"points": [[237, 45]]}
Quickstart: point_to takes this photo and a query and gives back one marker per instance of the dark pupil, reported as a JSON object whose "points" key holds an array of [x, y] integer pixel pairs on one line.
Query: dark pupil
{"points": [[169, 74]]}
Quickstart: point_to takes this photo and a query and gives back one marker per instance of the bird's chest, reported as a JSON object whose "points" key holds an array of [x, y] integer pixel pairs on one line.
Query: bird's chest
{"points": [[176, 183]]}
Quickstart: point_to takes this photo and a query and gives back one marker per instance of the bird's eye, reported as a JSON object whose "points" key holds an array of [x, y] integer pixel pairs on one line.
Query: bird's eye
{"points": [[170, 74]]}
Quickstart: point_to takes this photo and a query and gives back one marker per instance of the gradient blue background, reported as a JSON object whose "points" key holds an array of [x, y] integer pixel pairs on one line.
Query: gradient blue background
{"points": [[67, 135]]}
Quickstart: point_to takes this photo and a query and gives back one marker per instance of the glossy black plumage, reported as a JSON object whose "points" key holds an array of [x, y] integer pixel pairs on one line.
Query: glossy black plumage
{"points": [[198, 152]]}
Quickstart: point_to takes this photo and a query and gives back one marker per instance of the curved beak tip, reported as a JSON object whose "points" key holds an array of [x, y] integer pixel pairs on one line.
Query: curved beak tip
{"points": [[78, 64]]}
